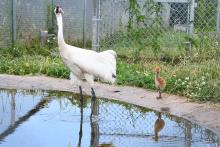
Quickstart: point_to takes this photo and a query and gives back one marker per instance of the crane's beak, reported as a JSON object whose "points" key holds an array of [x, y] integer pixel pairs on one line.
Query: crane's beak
{"points": [[61, 11], [58, 10]]}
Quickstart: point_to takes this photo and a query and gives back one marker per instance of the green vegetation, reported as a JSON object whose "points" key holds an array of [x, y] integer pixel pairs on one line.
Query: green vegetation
{"points": [[149, 42], [196, 77], [196, 80], [206, 14]]}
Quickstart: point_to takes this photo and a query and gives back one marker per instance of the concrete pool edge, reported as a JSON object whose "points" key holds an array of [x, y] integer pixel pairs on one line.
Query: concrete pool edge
{"points": [[203, 114]]}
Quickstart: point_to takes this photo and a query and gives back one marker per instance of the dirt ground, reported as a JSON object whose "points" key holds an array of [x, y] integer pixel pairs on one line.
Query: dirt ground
{"points": [[204, 114]]}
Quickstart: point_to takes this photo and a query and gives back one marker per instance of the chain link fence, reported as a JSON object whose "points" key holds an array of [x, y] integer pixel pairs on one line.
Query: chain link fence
{"points": [[32, 18], [151, 27], [5, 23], [128, 26]]}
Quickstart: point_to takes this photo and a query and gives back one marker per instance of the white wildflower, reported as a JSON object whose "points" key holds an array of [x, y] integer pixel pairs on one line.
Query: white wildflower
{"points": [[187, 78], [203, 83]]}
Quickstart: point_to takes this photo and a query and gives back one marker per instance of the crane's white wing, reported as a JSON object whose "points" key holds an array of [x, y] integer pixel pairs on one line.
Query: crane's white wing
{"points": [[102, 65]]}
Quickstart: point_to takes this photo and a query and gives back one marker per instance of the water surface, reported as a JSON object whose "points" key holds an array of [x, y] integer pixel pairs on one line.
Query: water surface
{"points": [[49, 119]]}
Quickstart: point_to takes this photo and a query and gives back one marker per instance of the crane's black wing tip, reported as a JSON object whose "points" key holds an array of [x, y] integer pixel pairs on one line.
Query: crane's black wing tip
{"points": [[113, 75]]}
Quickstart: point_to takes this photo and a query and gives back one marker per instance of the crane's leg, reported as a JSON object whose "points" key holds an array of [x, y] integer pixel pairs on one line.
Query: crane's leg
{"points": [[94, 105], [81, 118], [93, 93], [90, 80], [159, 91], [93, 102], [160, 94], [81, 96], [75, 81]]}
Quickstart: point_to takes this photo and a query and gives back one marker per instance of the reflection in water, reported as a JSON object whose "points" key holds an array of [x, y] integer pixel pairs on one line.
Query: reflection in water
{"points": [[188, 133], [15, 123], [94, 123], [13, 93], [101, 123], [81, 121], [158, 126], [94, 142]]}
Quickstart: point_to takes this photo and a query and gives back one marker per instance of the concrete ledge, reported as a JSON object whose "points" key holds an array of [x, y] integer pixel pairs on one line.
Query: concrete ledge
{"points": [[205, 114]]}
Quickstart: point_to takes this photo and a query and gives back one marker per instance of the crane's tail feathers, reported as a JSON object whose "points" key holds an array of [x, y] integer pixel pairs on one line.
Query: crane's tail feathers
{"points": [[112, 52]]}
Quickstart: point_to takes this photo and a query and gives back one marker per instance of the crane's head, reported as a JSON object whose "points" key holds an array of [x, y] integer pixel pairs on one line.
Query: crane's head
{"points": [[157, 69], [58, 10]]}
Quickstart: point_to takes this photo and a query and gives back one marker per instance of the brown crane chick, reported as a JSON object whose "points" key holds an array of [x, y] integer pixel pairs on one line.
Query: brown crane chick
{"points": [[160, 83], [158, 126]]}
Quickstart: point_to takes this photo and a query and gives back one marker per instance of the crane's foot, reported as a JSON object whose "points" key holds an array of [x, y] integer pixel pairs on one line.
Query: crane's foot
{"points": [[116, 91], [159, 97]]}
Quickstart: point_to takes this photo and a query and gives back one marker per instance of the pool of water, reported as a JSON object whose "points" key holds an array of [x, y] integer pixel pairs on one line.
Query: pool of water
{"points": [[50, 119]]}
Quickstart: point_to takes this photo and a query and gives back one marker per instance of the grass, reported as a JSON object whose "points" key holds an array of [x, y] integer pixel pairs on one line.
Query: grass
{"points": [[196, 77], [198, 81], [33, 65]]}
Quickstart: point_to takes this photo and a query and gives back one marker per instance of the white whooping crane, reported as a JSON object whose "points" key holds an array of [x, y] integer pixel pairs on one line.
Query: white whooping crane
{"points": [[83, 63]]}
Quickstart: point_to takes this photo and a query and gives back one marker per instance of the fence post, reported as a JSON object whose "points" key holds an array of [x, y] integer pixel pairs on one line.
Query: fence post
{"points": [[191, 17], [84, 24], [113, 18], [218, 17], [14, 4], [98, 23], [190, 20], [95, 24]]}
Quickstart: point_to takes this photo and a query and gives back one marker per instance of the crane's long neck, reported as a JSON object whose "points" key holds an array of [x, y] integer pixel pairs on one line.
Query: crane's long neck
{"points": [[157, 75], [61, 41]]}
